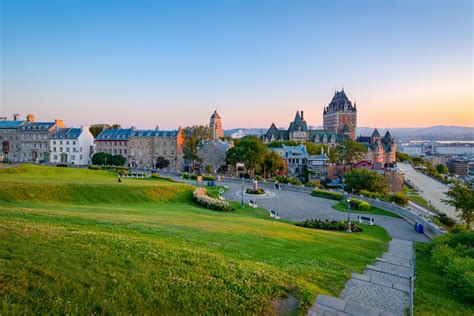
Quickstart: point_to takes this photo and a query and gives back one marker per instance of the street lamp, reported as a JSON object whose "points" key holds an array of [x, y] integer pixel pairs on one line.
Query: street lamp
{"points": [[349, 216], [242, 202]]}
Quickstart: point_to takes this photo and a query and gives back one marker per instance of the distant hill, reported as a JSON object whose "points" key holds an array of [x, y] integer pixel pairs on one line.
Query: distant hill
{"points": [[439, 132]]}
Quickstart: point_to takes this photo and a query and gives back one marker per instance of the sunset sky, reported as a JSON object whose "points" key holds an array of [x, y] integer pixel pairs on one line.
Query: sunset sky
{"points": [[171, 63]]}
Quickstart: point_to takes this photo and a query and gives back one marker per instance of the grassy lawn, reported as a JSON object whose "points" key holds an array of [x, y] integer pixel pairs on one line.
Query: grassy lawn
{"points": [[341, 206], [415, 197], [76, 241], [432, 295]]}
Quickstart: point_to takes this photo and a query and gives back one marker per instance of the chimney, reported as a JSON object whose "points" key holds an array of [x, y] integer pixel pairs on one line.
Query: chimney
{"points": [[157, 128], [302, 115], [16, 117], [30, 118], [59, 123], [3, 118]]}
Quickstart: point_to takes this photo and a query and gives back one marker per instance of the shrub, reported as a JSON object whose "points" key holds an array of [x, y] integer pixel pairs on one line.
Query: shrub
{"points": [[208, 178], [189, 176], [446, 221], [453, 255], [360, 205], [62, 165], [399, 198], [94, 167], [287, 180], [155, 175], [327, 194], [121, 170], [328, 225], [252, 191], [201, 197]]}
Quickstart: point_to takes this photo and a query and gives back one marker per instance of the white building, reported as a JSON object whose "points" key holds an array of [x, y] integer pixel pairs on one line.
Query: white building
{"points": [[73, 146], [414, 150]]}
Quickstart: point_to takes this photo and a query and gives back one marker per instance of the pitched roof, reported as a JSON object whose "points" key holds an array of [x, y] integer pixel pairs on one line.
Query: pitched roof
{"points": [[10, 124], [376, 133], [115, 134], [37, 126], [215, 115], [67, 133], [298, 124], [339, 103]]}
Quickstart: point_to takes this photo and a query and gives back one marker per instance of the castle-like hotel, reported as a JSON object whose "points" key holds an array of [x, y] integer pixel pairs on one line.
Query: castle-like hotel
{"points": [[339, 123]]}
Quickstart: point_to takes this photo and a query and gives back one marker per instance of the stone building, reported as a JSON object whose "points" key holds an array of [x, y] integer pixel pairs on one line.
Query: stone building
{"points": [[340, 116], [146, 146], [35, 138], [114, 141], [380, 149], [10, 138], [295, 158], [73, 146], [213, 154], [215, 126]]}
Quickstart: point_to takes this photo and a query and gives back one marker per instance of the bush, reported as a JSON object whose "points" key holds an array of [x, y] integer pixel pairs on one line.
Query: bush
{"points": [[155, 175], [61, 165], [359, 205], [252, 191], [287, 180], [399, 198], [328, 225], [201, 197], [327, 194], [446, 221], [94, 167], [453, 255], [189, 176], [209, 178]]}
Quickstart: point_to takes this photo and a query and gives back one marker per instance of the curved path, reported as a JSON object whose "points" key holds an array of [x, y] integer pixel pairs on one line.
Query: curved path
{"points": [[299, 206]]}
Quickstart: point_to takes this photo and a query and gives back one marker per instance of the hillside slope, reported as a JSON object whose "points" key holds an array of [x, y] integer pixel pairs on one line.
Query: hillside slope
{"points": [[76, 241]]}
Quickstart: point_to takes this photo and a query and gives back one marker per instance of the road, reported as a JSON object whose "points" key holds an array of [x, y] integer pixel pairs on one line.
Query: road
{"points": [[430, 189]]}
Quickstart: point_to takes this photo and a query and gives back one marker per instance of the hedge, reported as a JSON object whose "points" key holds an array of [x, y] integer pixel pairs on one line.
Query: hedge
{"points": [[360, 205], [201, 197], [328, 225], [327, 194]]}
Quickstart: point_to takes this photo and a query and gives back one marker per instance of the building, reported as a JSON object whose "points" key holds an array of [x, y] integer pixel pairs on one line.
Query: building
{"points": [[299, 131], [10, 138], [73, 146], [35, 139], [146, 146], [317, 166], [340, 116], [114, 141], [213, 154], [379, 149], [296, 160], [414, 150], [453, 149], [215, 126], [458, 167]]}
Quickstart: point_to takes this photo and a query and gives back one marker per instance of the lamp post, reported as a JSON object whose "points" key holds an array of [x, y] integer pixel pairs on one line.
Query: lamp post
{"points": [[349, 216], [242, 202]]}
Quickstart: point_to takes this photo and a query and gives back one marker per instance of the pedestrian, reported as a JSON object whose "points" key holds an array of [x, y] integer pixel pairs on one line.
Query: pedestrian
{"points": [[119, 179]]}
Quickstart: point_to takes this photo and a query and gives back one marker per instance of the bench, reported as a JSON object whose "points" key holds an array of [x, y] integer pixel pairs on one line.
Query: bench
{"points": [[274, 214], [253, 204], [365, 220]]}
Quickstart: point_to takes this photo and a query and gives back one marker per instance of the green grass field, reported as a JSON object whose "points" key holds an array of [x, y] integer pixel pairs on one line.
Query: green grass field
{"points": [[342, 207], [76, 241]]}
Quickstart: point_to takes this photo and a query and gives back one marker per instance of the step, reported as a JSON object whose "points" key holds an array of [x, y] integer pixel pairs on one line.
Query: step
{"points": [[396, 261], [394, 279], [376, 296], [382, 281], [329, 305], [393, 269]]}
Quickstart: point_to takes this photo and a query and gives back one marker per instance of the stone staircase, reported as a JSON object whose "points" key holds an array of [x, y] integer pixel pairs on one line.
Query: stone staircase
{"points": [[383, 289]]}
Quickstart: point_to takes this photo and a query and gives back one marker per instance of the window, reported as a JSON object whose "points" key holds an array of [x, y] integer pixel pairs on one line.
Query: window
{"points": [[74, 142], [67, 142], [54, 142], [54, 149], [55, 157], [73, 157], [67, 149], [80, 157], [61, 149]]}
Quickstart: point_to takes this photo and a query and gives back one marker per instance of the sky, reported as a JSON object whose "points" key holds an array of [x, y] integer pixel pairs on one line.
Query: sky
{"points": [[150, 63]]}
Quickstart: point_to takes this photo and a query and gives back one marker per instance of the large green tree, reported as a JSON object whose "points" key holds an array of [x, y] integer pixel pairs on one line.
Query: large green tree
{"points": [[349, 151], [250, 151], [442, 169], [101, 159], [273, 163], [462, 198], [193, 137], [363, 179]]}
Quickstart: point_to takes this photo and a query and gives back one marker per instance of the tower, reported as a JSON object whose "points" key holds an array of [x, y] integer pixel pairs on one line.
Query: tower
{"points": [[339, 113], [215, 126]]}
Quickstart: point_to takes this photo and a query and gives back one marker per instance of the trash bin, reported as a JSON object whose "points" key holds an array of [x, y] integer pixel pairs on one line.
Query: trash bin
{"points": [[420, 229]]}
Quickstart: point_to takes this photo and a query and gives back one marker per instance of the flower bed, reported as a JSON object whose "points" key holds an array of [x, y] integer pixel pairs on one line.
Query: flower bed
{"points": [[328, 225], [201, 197], [255, 192]]}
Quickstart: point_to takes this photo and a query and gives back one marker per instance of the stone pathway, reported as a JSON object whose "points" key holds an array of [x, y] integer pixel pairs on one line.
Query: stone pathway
{"points": [[383, 289]]}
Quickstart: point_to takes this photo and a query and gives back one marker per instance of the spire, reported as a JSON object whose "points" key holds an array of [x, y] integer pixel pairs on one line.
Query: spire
{"points": [[375, 133]]}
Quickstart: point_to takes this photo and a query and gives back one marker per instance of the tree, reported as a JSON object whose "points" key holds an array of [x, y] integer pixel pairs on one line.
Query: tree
{"points": [[462, 198], [274, 163], [401, 157], [193, 137], [349, 151], [162, 162], [442, 169], [116, 126], [315, 149], [96, 129], [117, 160], [250, 151], [101, 159], [363, 179]]}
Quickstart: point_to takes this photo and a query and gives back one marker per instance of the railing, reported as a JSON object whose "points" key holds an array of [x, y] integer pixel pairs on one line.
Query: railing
{"points": [[412, 280]]}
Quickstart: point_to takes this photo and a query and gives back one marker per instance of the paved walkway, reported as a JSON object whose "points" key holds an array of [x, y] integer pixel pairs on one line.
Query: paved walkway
{"points": [[430, 189], [383, 289]]}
